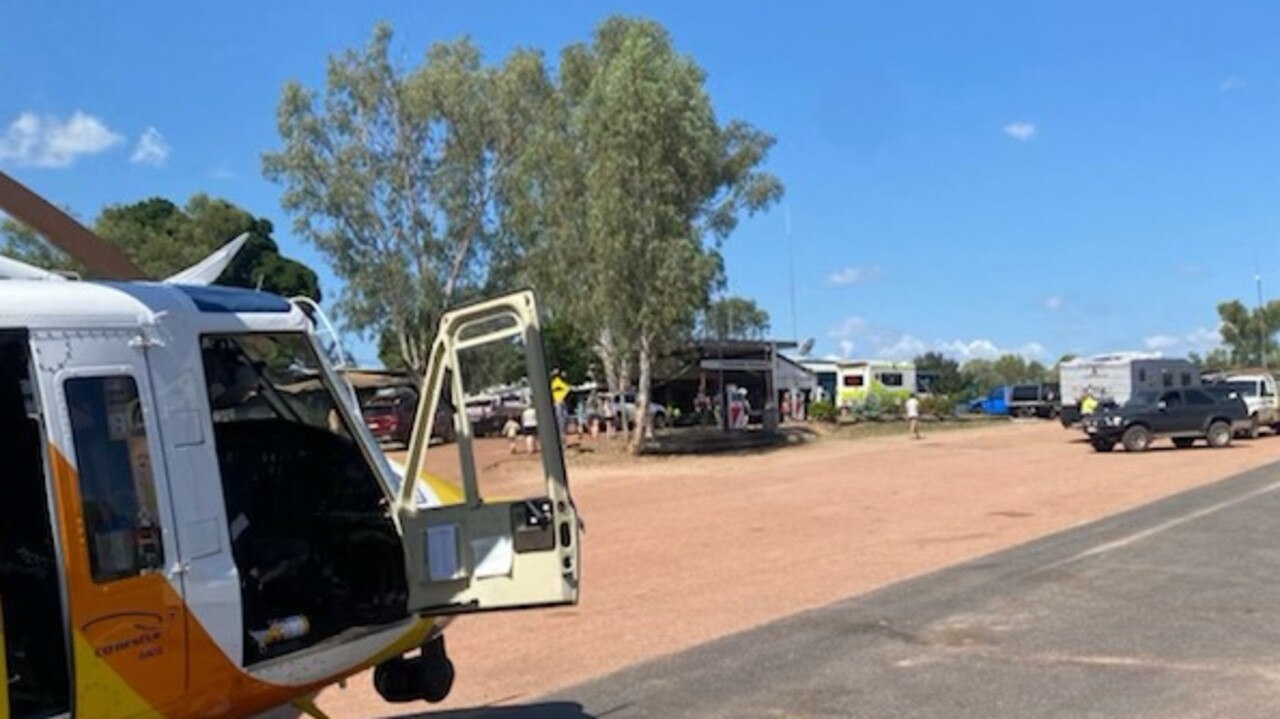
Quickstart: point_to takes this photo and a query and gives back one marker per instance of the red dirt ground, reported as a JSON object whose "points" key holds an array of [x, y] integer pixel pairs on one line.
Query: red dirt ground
{"points": [[684, 550]]}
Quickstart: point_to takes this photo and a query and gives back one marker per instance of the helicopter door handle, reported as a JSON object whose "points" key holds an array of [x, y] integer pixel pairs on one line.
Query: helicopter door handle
{"points": [[179, 569]]}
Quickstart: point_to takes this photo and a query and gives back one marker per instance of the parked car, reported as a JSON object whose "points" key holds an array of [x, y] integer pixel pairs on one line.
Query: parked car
{"points": [[1258, 390], [657, 413], [388, 413], [1183, 415]]}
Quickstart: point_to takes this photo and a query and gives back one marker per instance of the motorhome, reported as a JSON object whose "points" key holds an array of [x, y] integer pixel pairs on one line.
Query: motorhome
{"points": [[1113, 378], [885, 379]]}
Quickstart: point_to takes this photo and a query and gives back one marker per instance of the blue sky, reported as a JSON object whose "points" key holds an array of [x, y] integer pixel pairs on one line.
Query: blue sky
{"points": [[971, 177]]}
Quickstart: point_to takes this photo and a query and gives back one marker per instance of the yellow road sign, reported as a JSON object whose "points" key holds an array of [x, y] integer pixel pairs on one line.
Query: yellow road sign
{"points": [[559, 389]]}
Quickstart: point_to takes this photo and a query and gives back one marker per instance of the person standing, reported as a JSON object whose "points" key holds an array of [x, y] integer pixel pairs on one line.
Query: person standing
{"points": [[609, 414], [529, 427], [913, 417], [593, 414], [1089, 404]]}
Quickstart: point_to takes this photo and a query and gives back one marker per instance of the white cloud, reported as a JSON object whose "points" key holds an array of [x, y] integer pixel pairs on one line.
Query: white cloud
{"points": [[35, 141], [887, 344], [1200, 340], [850, 327], [1233, 83], [904, 348], [1020, 131], [971, 349], [1053, 303], [223, 173], [151, 149], [1204, 338], [853, 275]]}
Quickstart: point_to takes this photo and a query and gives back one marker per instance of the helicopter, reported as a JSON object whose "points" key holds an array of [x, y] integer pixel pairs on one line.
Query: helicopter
{"points": [[196, 522]]}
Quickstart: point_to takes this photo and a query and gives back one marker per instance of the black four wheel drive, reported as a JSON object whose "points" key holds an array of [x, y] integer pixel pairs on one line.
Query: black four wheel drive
{"points": [[1183, 415]]}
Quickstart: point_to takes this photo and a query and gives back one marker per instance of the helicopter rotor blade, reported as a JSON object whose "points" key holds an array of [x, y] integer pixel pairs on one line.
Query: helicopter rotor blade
{"points": [[63, 232]]}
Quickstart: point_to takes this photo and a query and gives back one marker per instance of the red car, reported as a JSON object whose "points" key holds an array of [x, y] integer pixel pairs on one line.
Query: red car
{"points": [[388, 413]]}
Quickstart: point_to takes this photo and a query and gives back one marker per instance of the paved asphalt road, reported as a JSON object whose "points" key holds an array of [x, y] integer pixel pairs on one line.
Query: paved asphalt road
{"points": [[1169, 610]]}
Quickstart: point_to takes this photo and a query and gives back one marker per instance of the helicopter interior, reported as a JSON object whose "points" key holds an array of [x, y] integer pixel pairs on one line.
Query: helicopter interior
{"points": [[34, 631], [309, 523]]}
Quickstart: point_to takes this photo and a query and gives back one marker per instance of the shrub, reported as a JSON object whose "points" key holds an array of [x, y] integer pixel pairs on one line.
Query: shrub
{"points": [[938, 404], [822, 411]]}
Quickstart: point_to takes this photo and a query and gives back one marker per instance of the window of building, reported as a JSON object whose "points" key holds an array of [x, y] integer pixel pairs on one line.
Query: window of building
{"points": [[1167, 379], [1186, 379], [853, 380], [891, 379], [1142, 375], [117, 490]]}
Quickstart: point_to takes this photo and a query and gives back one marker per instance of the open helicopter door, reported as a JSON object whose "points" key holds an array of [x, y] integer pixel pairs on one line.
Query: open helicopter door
{"points": [[508, 536]]}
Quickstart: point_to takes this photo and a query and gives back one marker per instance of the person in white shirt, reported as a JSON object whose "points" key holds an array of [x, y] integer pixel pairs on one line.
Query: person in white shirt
{"points": [[913, 417], [529, 428]]}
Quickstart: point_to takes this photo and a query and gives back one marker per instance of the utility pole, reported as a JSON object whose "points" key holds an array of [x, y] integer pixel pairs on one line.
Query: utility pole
{"points": [[1262, 321], [791, 266], [795, 330]]}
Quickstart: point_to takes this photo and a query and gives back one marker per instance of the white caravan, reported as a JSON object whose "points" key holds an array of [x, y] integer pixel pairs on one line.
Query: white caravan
{"points": [[1115, 377]]}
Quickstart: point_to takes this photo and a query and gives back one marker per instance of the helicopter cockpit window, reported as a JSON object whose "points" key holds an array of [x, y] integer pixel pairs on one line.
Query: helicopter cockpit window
{"points": [[117, 491], [312, 540]]}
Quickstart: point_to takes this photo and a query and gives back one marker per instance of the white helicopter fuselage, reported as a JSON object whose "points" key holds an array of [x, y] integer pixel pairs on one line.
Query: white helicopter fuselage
{"points": [[223, 534]]}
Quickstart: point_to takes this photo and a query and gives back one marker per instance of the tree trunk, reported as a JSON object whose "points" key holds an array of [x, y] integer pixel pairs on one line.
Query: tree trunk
{"points": [[642, 395], [624, 381], [608, 354]]}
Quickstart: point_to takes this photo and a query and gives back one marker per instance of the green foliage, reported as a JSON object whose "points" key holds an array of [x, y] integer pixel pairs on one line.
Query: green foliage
{"points": [[949, 380], [939, 405], [1249, 335], [391, 175], [24, 245], [608, 188], [631, 188], [568, 350], [822, 411], [735, 318], [980, 375], [1218, 359], [162, 239]]}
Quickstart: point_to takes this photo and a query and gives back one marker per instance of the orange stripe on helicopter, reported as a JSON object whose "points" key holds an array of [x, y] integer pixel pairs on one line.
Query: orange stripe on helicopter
{"points": [[127, 638]]}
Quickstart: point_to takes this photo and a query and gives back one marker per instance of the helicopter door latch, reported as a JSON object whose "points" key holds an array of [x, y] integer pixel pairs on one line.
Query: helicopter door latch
{"points": [[145, 341], [532, 523]]}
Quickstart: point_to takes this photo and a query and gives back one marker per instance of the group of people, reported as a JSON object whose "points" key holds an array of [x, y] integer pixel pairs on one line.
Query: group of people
{"points": [[591, 414]]}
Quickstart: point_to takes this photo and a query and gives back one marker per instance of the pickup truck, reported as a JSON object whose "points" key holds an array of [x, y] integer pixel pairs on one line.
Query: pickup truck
{"points": [[996, 403], [1258, 390], [1183, 415]]}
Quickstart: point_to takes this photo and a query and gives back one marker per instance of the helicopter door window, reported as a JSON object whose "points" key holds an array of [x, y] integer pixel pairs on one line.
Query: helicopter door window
{"points": [[117, 490], [504, 451]]}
